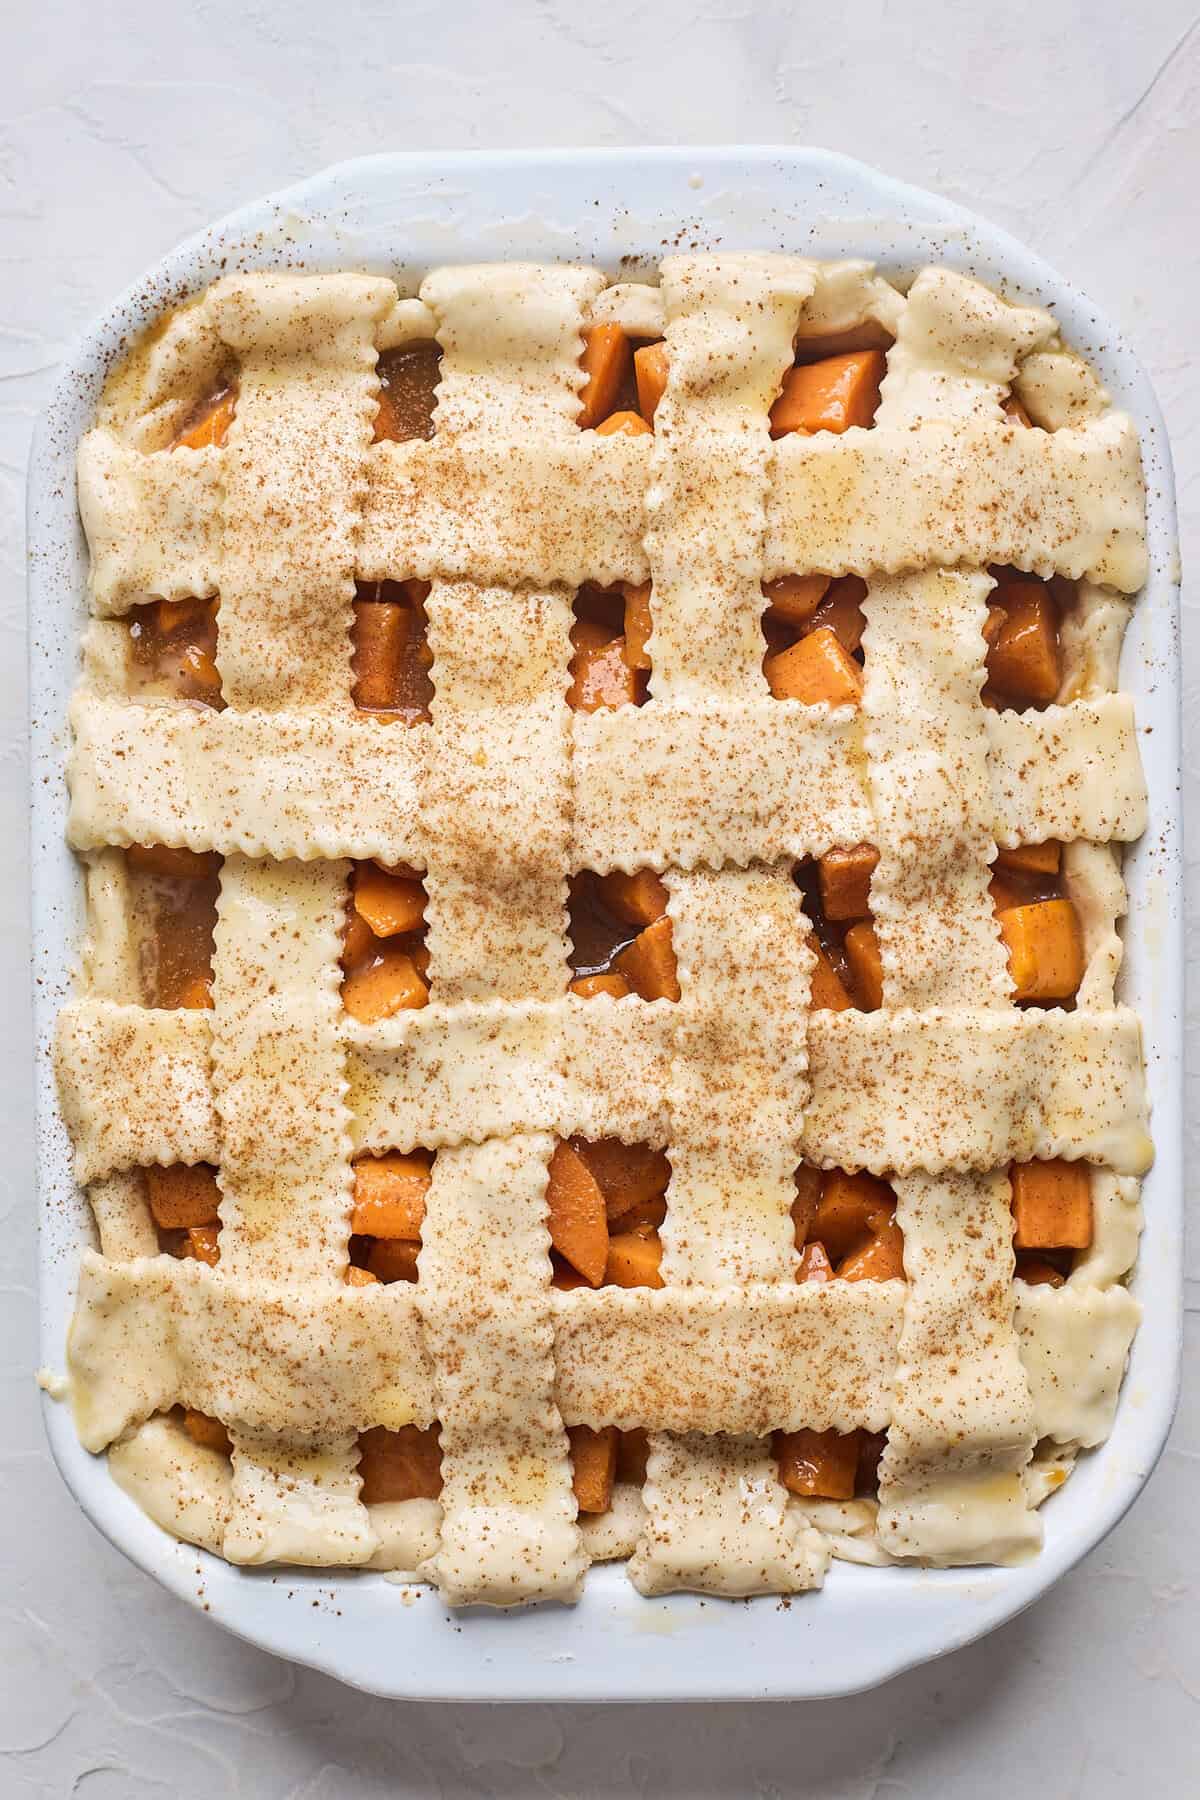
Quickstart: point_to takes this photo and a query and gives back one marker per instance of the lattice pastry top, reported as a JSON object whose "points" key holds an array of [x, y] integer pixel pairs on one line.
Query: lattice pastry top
{"points": [[598, 1032]]}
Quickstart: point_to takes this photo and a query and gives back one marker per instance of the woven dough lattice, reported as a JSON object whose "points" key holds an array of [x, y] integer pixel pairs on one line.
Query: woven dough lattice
{"points": [[987, 1387]]}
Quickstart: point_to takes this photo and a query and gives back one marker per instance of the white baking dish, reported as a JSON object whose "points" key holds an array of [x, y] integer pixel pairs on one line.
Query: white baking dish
{"points": [[406, 212]]}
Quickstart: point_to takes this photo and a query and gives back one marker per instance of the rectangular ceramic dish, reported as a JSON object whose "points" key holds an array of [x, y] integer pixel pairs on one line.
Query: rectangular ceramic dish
{"points": [[397, 215]]}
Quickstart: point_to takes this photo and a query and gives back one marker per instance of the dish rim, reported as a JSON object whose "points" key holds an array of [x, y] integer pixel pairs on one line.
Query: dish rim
{"points": [[857, 1631]]}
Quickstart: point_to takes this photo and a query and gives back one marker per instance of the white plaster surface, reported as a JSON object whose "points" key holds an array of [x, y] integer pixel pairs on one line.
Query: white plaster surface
{"points": [[128, 124]]}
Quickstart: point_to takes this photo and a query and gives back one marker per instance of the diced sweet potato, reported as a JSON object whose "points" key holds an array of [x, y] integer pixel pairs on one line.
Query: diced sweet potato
{"points": [[1045, 949], [587, 986], [638, 899], [605, 362], [389, 1194], [850, 1210], [399, 1465], [1037, 1272], [212, 425], [183, 1195], [1052, 1205], [356, 1277], [602, 677], [845, 877], [804, 1206], [633, 1447], [195, 994], [393, 1259], [208, 1432], [646, 1218], [841, 612], [814, 1264], [627, 1174], [593, 1466], [388, 985], [390, 904], [816, 669], [794, 599], [866, 965], [170, 615], [578, 1220], [380, 630], [828, 993], [638, 623], [880, 1259], [564, 1277], [358, 941], [650, 368], [408, 381], [633, 1260], [818, 1464], [201, 1245], [179, 865], [624, 424], [831, 395], [1023, 662], [648, 964], [1031, 861]]}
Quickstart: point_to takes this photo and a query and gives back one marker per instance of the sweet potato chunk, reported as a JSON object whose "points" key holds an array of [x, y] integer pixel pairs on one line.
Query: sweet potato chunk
{"points": [[1035, 1271], [593, 1466], [578, 1219], [866, 965], [1052, 1205], [195, 994], [210, 428], [841, 612], [391, 904], [605, 362], [393, 1259], [380, 631], [845, 877], [392, 659], [587, 986], [814, 670], [627, 1174], [828, 992], [818, 1464], [201, 1245], [399, 1465], [1023, 661], [633, 1260], [1030, 861], [650, 368], [880, 1259], [624, 424], [1045, 949], [388, 985], [638, 899], [356, 1277], [389, 1194], [648, 964], [831, 395], [602, 677], [208, 1432], [180, 1196], [804, 1206], [851, 1209], [638, 623], [814, 1264], [794, 599]]}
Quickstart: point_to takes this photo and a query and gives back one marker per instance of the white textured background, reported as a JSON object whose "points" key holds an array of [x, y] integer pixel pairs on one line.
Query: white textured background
{"points": [[125, 125]]}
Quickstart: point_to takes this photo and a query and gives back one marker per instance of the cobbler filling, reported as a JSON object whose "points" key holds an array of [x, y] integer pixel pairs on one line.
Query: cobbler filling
{"points": [[607, 1200]]}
